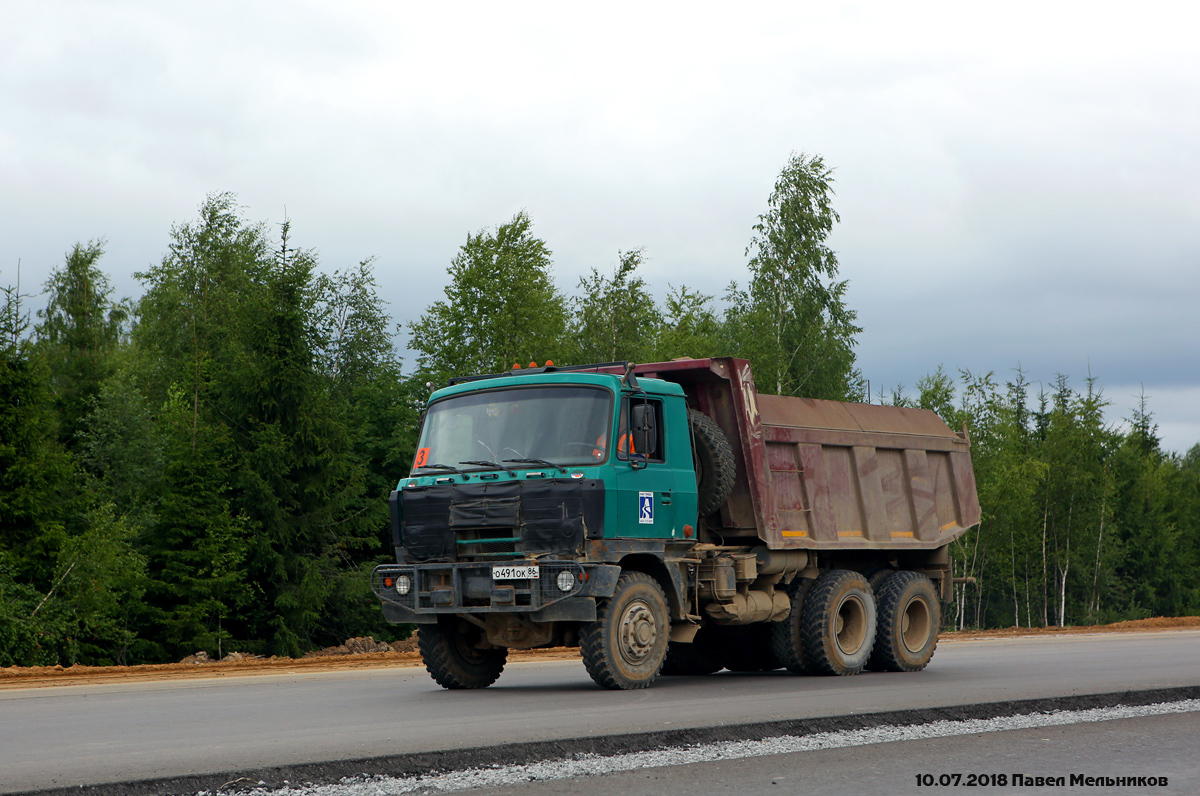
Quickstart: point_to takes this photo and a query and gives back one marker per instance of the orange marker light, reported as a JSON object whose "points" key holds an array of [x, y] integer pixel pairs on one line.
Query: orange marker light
{"points": [[533, 364], [388, 582], [549, 363]]}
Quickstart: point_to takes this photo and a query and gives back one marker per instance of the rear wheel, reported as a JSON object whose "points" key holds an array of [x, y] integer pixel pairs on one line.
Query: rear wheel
{"points": [[909, 617], [838, 623], [876, 577], [786, 638], [453, 657], [626, 645]]}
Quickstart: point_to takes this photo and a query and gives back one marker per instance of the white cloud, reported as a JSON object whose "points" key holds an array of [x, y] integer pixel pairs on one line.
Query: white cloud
{"points": [[1017, 183]]}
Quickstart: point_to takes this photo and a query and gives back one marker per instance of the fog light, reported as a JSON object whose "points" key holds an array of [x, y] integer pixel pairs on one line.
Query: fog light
{"points": [[566, 581], [403, 584]]}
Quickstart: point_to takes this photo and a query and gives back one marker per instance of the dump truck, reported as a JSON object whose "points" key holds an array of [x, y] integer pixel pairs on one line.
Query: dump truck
{"points": [[669, 519]]}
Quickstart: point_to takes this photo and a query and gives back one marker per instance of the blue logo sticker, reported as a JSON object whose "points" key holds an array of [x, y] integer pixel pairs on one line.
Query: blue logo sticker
{"points": [[646, 508]]}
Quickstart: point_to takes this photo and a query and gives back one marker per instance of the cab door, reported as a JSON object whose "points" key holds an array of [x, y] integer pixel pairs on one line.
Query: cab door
{"points": [[645, 478]]}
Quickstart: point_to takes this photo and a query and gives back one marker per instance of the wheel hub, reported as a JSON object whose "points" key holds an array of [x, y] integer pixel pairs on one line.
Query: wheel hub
{"points": [[915, 625], [638, 632], [850, 627]]}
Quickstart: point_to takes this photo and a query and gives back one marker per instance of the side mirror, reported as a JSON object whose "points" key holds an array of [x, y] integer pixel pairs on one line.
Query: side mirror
{"points": [[643, 430]]}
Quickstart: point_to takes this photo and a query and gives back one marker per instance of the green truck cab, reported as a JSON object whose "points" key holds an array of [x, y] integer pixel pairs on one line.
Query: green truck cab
{"points": [[606, 507]]}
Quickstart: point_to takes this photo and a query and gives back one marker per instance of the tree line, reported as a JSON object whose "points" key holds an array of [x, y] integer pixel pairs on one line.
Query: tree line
{"points": [[1083, 522], [206, 467]]}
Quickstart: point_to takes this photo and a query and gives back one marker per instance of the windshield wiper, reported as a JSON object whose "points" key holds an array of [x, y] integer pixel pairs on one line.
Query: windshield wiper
{"points": [[440, 467], [490, 465], [537, 461]]}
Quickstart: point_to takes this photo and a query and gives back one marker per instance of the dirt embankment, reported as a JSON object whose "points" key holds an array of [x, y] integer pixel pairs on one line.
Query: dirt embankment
{"points": [[1131, 626], [399, 654], [355, 654]]}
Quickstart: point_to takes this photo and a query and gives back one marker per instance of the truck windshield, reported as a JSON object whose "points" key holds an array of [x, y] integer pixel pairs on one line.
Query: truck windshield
{"points": [[555, 425]]}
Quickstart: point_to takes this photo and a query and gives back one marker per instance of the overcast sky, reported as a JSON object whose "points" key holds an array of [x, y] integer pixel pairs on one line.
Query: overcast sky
{"points": [[1018, 183]]}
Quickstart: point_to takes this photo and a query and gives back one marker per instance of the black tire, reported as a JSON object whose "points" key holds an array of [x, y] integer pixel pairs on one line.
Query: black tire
{"points": [[838, 623], [786, 638], [452, 657], [698, 658], [748, 649], [909, 617], [712, 456], [876, 577], [626, 646]]}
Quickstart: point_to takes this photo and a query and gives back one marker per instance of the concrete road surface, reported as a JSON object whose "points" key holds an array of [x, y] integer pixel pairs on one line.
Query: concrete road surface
{"points": [[72, 735]]}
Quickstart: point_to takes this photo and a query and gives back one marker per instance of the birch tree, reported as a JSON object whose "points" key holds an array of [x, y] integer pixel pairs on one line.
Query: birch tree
{"points": [[792, 321]]}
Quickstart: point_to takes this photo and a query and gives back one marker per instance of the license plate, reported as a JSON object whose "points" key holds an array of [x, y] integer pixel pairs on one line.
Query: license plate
{"points": [[515, 573]]}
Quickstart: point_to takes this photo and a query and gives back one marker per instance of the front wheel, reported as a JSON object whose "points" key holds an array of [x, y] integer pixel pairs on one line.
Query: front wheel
{"points": [[625, 647], [453, 656]]}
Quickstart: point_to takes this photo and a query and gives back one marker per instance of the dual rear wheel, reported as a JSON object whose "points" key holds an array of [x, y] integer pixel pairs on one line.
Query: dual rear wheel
{"points": [[840, 624], [831, 627], [843, 622], [909, 617]]}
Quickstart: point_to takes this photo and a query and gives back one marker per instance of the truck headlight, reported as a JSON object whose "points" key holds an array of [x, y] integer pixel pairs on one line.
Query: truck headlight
{"points": [[566, 581], [403, 584]]}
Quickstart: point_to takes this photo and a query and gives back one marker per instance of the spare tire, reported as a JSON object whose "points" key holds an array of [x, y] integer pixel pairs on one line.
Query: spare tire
{"points": [[712, 456]]}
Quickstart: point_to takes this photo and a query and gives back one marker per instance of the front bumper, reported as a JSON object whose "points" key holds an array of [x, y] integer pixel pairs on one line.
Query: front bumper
{"points": [[455, 588]]}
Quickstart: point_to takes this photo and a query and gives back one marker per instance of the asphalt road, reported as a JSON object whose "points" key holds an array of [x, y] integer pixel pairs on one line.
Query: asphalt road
{"points": [[72, 735], [1158, 746]]}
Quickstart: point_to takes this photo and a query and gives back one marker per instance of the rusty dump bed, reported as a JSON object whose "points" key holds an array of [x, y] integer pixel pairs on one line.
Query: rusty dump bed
{"points": [[831, 475]]}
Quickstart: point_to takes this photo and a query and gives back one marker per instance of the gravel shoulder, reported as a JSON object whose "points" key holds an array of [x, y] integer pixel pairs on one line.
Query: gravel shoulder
{"points": [[407, 656]]}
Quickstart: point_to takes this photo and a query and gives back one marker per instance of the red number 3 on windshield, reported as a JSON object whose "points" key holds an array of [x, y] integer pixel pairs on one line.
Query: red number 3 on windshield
{"points": [[422, 457]]}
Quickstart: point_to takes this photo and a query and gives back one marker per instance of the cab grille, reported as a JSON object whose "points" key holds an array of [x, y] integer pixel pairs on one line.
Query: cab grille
{"points": [[488, 544]]}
